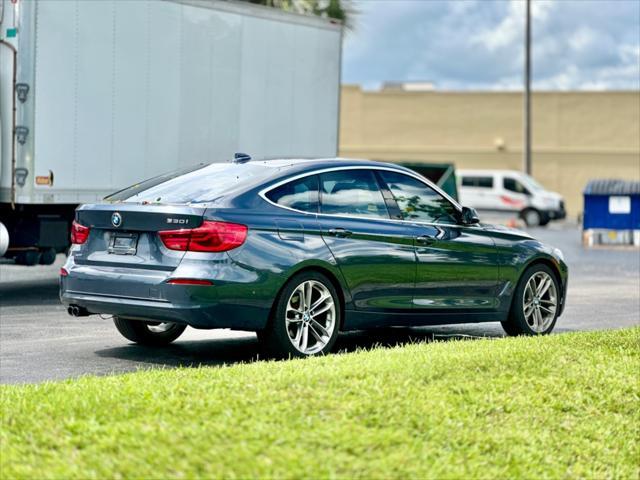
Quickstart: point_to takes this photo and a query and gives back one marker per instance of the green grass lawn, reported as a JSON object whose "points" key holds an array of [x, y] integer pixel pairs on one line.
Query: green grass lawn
{"points": [[559, 406]]}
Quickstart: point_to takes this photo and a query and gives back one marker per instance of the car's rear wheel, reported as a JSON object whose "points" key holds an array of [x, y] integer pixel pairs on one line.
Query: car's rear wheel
{"points": [[306, 318], [536, 303], [148, 333]]}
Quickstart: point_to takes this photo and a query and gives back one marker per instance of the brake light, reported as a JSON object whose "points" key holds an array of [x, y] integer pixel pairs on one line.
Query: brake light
{"points": [[189, 281], [63, 272], [208, 237], [79, 233]]}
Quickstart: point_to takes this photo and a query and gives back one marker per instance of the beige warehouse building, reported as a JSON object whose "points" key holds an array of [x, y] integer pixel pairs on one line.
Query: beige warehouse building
{"points": [[577, 136]]}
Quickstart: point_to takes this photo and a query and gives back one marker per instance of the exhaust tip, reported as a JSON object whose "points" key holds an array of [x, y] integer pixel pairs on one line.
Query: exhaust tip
{"points": [[77, 311]]}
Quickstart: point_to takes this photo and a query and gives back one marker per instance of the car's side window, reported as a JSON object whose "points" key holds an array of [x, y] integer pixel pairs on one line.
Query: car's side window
{"points": [[478, 182], [351, 192], [513, 185], [299, 194], [418, 201]]}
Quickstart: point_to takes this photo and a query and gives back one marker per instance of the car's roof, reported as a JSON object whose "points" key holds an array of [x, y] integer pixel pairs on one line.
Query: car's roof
{"points": [[464, 171], [319, 163], [206, 183], [286, 167]]}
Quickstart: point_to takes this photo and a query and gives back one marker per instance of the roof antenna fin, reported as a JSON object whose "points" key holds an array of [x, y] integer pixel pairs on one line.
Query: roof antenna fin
{"points": [[241, 157]]}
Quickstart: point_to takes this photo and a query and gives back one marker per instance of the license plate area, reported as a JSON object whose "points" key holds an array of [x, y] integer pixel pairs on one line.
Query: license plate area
{"points": [[122, 243]]}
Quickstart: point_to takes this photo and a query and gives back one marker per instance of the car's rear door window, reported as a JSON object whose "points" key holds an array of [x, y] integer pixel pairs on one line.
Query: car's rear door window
{"points": [[299, 194], [418, 201], [353, 193]]}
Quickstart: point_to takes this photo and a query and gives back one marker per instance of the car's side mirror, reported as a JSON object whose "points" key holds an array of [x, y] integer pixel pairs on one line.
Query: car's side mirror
{"points": [[469, 216]]}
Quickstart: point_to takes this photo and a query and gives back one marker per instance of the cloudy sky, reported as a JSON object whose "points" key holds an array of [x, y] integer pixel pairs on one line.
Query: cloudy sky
{"points": [[478, 44]]}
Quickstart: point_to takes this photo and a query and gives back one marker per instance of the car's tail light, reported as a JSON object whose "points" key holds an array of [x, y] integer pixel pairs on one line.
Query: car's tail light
{"points": [[208, 237], [64, 272], [79, 233]]}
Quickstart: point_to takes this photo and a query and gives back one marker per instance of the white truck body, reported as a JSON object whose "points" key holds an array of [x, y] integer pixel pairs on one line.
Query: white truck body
{"points": [[119, 91]]}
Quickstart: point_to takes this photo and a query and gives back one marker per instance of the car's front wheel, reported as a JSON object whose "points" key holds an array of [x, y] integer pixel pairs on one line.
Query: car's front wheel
{"points": [[535, 306], [148, 333], [306, 318]]}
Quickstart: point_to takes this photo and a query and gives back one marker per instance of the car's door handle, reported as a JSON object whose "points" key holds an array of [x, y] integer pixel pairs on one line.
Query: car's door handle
{"points": [[339, 232], [425, 239]]}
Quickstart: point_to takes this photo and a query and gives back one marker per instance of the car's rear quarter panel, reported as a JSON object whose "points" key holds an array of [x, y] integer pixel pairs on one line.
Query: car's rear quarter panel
{"points": [[279, 244]]}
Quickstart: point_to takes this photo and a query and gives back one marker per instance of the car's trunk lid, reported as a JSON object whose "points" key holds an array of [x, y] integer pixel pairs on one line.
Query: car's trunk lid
{"points": [[123, 255], [126, 235]]}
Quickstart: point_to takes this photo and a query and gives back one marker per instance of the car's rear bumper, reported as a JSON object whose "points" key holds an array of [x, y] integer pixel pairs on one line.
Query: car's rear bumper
{"points": [[212, 315], [141, 293]]}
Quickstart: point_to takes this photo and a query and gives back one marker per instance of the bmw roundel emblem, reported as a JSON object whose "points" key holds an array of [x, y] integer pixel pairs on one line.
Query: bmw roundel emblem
{"points": [[116, 219]]}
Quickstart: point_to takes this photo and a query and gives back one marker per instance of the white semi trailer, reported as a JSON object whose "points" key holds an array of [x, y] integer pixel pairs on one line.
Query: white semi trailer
{"points": [[96, 95]]}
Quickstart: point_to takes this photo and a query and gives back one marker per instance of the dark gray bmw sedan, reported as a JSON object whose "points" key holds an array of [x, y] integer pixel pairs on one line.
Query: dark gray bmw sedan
{"points": [[299, 250]]}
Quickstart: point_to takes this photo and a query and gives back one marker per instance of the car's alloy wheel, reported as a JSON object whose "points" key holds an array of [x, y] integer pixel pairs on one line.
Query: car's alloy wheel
{"points": [[540, 302], [536, 303], [310, 317], [148, 333], [306, 318]]}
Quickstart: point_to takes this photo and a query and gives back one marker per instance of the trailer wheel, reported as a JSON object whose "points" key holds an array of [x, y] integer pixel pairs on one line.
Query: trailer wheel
{"points": [[28, 258], [48, 256]]}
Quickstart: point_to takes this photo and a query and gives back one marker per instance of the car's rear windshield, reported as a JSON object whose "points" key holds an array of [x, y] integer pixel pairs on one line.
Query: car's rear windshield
{"points": [[198, 184]]}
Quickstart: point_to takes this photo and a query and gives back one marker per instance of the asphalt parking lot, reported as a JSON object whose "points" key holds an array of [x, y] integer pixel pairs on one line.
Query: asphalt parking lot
{"points": [[39, 341]]}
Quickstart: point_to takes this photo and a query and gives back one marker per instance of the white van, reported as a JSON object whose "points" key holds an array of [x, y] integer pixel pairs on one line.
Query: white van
{"points": [[509, 191]]}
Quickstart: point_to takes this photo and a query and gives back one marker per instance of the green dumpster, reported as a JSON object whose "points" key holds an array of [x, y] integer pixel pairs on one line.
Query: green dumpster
{"points": [[442, 174]]}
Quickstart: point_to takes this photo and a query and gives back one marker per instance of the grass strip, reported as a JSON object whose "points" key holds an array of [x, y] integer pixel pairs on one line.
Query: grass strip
{"points": [[546, 407]]}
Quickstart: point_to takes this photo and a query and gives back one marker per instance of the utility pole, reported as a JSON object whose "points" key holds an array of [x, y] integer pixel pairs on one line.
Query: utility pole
{"points": [[526, 158]]}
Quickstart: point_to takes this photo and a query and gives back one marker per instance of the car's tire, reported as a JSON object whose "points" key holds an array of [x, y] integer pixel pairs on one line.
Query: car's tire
{"points": [[148, 333], [531, 217], [301, 330], [536, 303]]}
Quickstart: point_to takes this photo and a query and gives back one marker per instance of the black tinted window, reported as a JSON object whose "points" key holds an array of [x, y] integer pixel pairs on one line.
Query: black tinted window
{"points": [[300, 194], [203, 183], [352, 192], [513, 185], [478, 182], [418, 201]]}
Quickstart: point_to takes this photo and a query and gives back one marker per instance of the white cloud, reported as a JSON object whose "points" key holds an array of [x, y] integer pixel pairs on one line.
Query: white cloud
{"points": [[577, 44], [582, 38]]}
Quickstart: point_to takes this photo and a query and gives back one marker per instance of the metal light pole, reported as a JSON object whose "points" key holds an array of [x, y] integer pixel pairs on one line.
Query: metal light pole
{"points": [[526, 159]]}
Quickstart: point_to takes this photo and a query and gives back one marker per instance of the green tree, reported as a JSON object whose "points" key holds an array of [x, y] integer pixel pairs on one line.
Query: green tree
{"points": [[337, 9]]}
